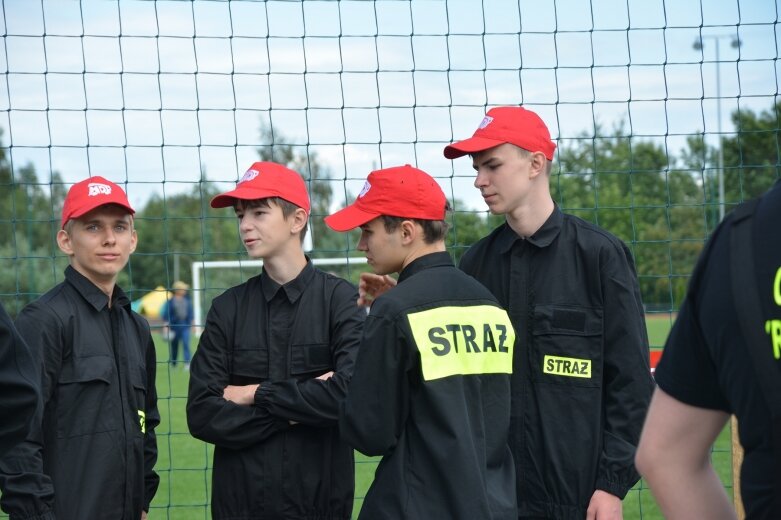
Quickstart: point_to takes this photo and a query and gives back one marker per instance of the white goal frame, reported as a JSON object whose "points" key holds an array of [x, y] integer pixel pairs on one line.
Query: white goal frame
{"points": [[197, 267]]}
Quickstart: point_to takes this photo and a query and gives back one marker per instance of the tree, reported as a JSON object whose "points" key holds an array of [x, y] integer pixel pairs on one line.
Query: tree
{"points": [[178, 230], [631, 188], [29, 220], [317, 176], [752, 158]]}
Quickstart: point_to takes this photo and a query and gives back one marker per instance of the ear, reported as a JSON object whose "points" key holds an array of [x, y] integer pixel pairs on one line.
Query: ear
{"points": [[538, 164], [64, 242], [133, 241], [409, 231], [299, 219]]}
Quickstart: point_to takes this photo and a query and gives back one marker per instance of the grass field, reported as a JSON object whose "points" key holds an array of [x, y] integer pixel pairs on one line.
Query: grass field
{"points": [[184, 464]]}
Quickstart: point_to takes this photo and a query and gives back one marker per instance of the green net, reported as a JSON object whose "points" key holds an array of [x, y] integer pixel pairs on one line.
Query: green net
{"points": [[666, 114]]}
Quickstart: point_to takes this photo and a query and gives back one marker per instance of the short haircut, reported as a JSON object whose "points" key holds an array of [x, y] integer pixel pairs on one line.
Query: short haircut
{"points": [[433, 230], [288, 208], [526, 154]]}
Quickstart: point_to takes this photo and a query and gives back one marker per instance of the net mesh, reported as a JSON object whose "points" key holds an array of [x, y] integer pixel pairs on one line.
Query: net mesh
{"points": [[665, 115]]}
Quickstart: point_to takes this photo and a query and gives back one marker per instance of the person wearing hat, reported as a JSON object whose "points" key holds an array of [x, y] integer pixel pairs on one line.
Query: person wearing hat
{"points": [[92, 447], [178, 315], [273, 364], [431, 389], [581, 381]]}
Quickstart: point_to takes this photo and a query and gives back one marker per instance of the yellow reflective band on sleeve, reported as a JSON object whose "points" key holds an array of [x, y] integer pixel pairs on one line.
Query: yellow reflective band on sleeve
{"points": [[564, 366], [773, 329], [463, 340], [142, 420], [777, 287]]}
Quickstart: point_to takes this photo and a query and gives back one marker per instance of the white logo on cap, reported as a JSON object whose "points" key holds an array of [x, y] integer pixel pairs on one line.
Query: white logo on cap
{"points": [[485, 122], [365, 189], [96, 188], [249, 175]]}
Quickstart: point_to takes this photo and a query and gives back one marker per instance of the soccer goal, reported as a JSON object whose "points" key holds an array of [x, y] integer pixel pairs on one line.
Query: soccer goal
{"points": [[204, 288]]}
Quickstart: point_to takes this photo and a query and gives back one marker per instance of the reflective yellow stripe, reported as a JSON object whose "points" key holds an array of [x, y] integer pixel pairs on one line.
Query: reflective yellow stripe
{"points": [[773, 329], [142, 420], [463, 340], [565, 366], [777, 287]]}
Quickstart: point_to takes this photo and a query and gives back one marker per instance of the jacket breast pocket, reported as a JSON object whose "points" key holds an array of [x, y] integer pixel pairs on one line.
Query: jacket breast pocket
{"points": [[567, 345], [312, 359], [86, 402], [138, 380], [249, 367]]}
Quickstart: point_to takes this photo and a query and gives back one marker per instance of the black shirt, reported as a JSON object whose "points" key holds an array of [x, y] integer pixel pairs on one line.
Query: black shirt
{"points": [[19, 393], [282, 457], [706, 362], [581, 383], [431, 394], [91, 453]]}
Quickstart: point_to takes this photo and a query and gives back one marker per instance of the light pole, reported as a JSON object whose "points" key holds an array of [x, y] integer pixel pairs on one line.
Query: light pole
{"points": [[734, 43]]}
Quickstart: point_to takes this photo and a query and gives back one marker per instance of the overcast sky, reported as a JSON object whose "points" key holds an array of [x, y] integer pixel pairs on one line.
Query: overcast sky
{"points": [[142, 90]]}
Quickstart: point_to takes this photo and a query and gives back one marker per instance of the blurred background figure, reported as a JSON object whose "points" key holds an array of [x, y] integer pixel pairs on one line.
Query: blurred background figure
{"points": [[177, 314]]}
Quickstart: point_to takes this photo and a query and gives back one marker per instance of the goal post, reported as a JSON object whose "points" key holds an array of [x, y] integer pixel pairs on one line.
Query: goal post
{"points": [[199, 288]]}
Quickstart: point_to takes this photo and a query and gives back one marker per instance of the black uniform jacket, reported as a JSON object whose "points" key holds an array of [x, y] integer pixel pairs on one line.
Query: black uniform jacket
{"points": [[19, 384], [431, 394], [581, 382], [707, 361], [91, 453], [264, 466]]}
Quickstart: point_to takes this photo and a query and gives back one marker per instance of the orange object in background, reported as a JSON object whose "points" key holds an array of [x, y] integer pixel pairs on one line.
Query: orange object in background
{"points": [[656, 355]]}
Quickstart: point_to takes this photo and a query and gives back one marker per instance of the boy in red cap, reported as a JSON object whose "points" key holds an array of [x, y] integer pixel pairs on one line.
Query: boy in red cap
{"points": [[431, 389], [92, 448], [273, 365], [581, 383]]}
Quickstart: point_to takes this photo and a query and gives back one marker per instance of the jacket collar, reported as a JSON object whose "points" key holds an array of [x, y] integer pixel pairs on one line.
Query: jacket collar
{"points": [[293, 289], [542, 238], [91, 293], [425, 262]]}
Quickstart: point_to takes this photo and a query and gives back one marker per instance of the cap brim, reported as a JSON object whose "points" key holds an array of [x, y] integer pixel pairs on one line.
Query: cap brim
{"points": [[86, 209], [471, 145], [223, 201], [348, 218], [229, 198]]}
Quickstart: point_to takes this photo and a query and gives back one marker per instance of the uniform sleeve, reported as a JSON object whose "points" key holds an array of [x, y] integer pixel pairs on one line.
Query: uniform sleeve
{"points": [[312, 401], [27, 492], [152, 420], [627, 383], [372, 417], [210, 417], [18, 385]]}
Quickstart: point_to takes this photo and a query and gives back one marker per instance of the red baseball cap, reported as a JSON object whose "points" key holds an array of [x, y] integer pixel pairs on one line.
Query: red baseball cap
{"points": [[401, 191], [514, 125], [90, 193], [264, 180]]}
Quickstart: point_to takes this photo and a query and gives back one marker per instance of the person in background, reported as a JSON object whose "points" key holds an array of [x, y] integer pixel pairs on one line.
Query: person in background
{"points": [[19, 392], [273, 364], [91, 452], [722, 357], [177, 314], [431, 389]]}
